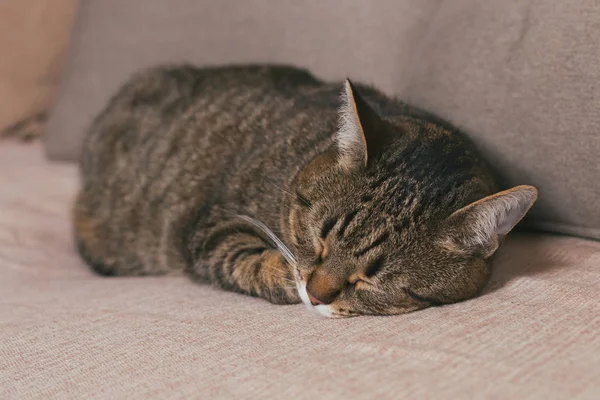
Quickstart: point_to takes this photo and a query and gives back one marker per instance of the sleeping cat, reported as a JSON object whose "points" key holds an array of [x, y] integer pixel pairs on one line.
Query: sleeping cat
{"points": [[259, 179]]}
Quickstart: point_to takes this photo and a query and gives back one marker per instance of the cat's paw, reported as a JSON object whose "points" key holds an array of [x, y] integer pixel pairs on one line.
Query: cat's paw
{"points": [[278, 277]]}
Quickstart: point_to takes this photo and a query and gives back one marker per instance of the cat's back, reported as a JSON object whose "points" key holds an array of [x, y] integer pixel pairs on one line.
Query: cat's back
{"points": [[154, 102]]}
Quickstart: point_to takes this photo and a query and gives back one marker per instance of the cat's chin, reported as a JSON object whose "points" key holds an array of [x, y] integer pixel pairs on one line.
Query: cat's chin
{"points": [[327, 311]]}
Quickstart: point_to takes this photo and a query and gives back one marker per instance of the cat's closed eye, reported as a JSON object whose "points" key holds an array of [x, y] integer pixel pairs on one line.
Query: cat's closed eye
{"points": [[321, 245], [321, 251], [327, 227], [358, 283], [374, 267]]}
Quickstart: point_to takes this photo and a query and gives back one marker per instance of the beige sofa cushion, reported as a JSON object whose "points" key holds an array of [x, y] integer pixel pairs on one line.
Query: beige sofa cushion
{"points": [[521, 77], [33, 40], [66, 333]]}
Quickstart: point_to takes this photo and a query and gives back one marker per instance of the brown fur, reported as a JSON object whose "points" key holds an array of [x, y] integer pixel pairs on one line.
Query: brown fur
{"points": [[184, 164]]}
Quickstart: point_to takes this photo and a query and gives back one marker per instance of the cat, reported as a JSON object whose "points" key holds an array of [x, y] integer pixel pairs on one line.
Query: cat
{"points": [[262, 180]]}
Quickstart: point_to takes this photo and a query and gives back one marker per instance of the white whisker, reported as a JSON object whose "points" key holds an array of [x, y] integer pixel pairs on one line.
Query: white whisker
{"points": [[287, 254]]}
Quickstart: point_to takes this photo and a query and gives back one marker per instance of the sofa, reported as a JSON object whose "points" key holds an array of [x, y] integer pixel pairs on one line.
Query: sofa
{"points": [[520, 77]]}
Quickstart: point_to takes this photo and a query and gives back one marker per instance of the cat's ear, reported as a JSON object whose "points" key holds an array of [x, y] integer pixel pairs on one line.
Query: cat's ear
{"points": [[361, 133], [480, 227]]}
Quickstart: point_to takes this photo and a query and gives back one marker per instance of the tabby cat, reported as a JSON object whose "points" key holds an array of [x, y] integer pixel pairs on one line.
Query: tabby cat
{"points": [[259, 179]]}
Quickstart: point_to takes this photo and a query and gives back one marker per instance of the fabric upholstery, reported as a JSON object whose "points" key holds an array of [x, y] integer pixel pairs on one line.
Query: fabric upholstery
{"points": [[66, 333], [33, 40], [521, 77], [114, 38]]}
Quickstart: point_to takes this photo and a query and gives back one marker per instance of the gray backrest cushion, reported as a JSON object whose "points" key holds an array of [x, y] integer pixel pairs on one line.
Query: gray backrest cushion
{"points": [[371, 41], [521, 77]]}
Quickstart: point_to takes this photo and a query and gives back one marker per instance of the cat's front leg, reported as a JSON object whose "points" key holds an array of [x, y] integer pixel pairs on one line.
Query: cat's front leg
{"points": [[238, 260], [267, 275]]}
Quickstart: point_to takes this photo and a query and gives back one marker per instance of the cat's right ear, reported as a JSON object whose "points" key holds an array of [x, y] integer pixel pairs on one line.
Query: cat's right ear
{"points": [[479, 227], [361, 132]]}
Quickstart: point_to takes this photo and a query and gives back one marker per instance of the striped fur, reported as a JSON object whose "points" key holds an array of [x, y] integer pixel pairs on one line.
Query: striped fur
{"points": [[180, 153]]}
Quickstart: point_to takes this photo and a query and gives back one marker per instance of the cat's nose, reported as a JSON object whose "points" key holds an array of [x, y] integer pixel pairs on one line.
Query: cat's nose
{"points": [[322, 288], [313, 300]]}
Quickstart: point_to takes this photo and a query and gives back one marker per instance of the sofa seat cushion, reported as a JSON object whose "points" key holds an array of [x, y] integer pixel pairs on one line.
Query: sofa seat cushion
{"points": [[67, 333]]}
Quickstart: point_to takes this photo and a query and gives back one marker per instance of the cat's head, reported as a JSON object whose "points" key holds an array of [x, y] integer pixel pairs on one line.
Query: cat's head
{"points": [[374, 233]]}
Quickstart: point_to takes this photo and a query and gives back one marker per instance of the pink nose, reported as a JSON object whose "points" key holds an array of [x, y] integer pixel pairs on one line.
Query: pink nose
{"points": [[313, 300], [323, 287]]}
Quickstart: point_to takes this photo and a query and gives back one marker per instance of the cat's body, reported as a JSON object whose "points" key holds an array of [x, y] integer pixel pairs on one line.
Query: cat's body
{"points": [[181, 157]]}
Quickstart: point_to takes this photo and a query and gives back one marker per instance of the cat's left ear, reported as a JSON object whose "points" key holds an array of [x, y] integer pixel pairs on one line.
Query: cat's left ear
{"points": [[362, 133], [480, 227]]}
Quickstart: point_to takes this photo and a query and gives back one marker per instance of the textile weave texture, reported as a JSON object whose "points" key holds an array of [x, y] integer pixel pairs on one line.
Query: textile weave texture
{"points": [[66, 333]]}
